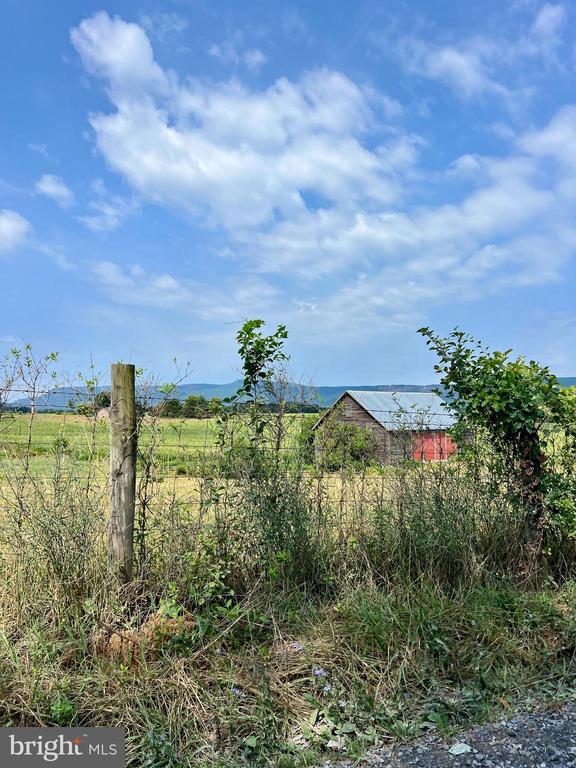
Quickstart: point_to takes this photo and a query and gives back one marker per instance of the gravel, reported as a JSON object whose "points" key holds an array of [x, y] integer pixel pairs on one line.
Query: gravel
{"points": [[545, 739]]}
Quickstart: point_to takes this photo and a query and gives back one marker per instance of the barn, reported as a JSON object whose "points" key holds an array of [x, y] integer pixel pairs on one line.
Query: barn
{"points": [[404, 425]]}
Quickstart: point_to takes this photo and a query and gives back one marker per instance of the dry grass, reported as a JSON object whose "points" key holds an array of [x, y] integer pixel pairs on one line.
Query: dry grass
{"points": [[274, 612]]}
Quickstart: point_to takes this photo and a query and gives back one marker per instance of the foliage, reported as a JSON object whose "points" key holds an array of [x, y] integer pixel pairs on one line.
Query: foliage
{"points": [[170, 408], [194, 407], [102, 400], [520, 405], [281, 610], [340, 444], [306, 439], [259, 354]]}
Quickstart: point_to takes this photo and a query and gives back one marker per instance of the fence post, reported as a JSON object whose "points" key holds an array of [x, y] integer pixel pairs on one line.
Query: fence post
{"points": [[123, 446]]}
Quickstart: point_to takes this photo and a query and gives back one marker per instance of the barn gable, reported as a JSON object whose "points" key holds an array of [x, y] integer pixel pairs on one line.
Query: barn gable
{"points": [[405, 410], [395, 410], [404, 424]]}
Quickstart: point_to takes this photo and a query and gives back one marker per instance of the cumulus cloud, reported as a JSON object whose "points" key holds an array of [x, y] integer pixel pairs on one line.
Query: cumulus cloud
{"points": [[236, 156], [314, 178], [13, 230], [54, 188], [121, 54]]}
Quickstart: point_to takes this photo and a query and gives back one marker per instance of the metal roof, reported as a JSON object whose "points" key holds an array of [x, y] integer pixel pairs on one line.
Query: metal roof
{"points": [[404, 410]]}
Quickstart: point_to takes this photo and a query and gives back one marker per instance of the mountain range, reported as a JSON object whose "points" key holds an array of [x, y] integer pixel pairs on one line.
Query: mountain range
{"points": [[325, 396]]}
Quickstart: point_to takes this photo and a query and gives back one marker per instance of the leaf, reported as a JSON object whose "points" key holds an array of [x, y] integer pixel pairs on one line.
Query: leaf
{"points": [[251, 741]]}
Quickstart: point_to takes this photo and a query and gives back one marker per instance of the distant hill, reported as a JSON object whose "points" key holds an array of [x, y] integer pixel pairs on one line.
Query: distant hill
{"points": [[321, 395]]}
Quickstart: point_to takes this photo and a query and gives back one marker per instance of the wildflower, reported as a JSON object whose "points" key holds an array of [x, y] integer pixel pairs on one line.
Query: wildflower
{"points": [[296, 646], [318, 672], [342, 704], [327, 688], [235, 691]]}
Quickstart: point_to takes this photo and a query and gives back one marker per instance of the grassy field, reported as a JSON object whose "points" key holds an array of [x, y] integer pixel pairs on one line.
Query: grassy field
{"points": [[277, 616], [82, 435]]}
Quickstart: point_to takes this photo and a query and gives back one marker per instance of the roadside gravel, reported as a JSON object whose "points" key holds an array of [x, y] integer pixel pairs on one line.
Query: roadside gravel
{"points": [[545, 739]]}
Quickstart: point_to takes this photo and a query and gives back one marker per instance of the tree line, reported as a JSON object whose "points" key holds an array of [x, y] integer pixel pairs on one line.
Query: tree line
{"points": [[193, 407]]}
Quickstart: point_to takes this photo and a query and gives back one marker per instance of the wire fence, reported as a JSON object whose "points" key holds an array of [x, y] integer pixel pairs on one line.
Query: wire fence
{"points": [[341, 468]]}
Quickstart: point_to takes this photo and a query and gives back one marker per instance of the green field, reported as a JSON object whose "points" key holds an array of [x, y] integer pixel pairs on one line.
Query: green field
{"points": [[85, 438], [81, 444]]}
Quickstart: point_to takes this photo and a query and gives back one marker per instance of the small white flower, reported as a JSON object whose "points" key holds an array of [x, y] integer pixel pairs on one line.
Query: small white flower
{"points": [[296, 646], [327, 688]]}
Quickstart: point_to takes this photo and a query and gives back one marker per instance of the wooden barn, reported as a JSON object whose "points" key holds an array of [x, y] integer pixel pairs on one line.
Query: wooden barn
{"points": [[404, 425]]}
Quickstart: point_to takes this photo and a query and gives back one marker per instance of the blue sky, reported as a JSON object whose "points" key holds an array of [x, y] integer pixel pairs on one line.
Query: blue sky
{"points": [[353, 170]]}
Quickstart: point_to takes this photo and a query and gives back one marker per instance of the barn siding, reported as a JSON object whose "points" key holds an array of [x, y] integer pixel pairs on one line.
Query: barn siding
{"points": [[393, 445], [432, 445]]}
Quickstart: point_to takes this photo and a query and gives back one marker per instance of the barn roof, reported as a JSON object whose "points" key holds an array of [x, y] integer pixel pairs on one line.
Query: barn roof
{"points": [[404, 410]]}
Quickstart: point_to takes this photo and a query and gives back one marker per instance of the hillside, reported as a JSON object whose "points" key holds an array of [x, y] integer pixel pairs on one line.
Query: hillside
{"points": [[322, 395]]}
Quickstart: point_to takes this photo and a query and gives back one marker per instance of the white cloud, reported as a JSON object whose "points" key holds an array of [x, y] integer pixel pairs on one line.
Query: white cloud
{"points": [[164, 25], [254, 59], [556, 140], [54, 188], [13, 230], [107, 214], [481, 65], [549, 20], [232, 51], [465, 69], [136, 286], [313, 179], [120, 53], [237, 156]]}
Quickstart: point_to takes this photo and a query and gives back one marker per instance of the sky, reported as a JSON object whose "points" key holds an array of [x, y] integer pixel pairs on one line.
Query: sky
{"points": [[355, 171]]}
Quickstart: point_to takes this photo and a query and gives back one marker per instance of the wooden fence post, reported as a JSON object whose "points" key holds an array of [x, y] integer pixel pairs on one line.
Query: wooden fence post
{"points": [[123, 446]]}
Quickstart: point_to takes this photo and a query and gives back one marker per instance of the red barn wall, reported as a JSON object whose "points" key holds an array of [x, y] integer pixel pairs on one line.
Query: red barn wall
{"points": [[434, 445], [395, 445]]}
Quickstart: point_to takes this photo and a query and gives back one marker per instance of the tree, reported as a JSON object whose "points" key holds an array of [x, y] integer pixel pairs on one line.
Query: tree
{"points": [[517, 403], [260, 356], [170, 408], [85, 409], [215, 406], [195, 407], [102, 400]]}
